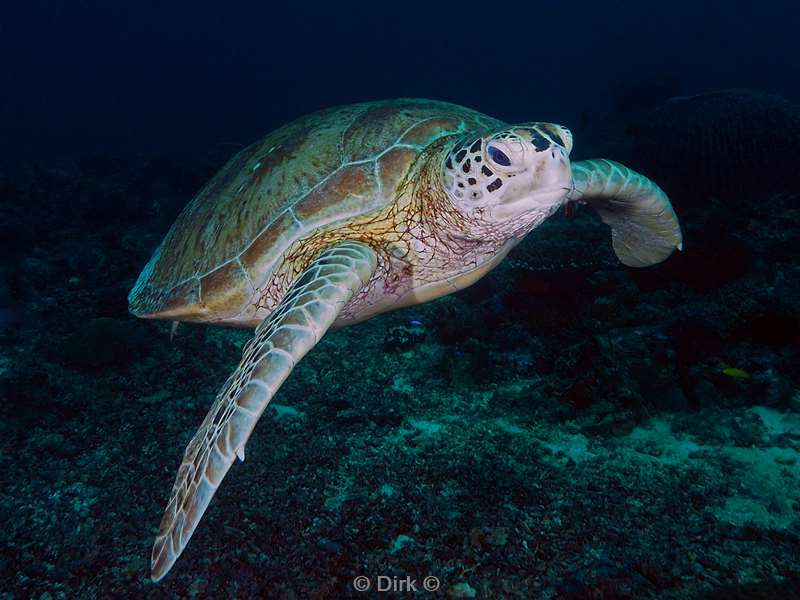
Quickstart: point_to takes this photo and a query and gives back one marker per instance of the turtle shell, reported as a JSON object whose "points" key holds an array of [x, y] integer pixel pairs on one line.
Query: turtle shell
{"points": [[320, 171]]}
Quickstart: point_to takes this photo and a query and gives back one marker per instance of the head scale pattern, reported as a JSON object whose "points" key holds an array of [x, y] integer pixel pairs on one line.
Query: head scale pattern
{"points": [[474, 168], [465, 171]]}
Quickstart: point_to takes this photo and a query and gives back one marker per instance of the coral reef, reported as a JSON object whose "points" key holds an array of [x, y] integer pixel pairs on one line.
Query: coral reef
{"points": [[738, 146]]}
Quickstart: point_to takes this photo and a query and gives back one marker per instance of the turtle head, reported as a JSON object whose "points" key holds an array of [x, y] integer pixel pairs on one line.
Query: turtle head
{"points": [[510, 174]]}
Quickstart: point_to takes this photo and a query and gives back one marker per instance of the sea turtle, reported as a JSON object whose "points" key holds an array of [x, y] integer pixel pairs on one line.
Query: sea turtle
{"points": [[354, 211]]}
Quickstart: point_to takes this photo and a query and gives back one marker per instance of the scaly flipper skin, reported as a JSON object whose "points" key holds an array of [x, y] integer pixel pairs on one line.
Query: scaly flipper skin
{"points": [[644, 227], [309, 308]]}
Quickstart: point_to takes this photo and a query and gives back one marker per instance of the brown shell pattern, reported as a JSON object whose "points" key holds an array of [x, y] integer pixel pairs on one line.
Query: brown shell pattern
{"points": [[315, 172]]}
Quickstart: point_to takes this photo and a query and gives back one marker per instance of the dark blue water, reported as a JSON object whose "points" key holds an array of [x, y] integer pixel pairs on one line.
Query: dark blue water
{"points": [[565, 428], [177, 75]]}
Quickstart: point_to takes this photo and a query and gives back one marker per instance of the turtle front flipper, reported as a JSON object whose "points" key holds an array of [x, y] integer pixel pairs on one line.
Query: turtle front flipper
{"points": [[309, 308], [644, 227]]}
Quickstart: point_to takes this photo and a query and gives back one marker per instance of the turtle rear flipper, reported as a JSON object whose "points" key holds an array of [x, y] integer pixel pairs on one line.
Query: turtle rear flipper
{"points": [[644, 227], [297, 324]]}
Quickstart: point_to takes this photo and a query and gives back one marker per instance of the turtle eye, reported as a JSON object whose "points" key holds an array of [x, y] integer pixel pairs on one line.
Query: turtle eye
{"points": [[498, 156]]}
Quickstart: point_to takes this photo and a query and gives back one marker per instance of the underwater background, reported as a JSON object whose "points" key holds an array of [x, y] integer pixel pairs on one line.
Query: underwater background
{"points": [[566, 428]]}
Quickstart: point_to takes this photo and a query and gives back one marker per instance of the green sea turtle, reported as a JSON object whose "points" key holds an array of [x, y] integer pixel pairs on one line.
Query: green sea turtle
{"points": [[351, 212]]}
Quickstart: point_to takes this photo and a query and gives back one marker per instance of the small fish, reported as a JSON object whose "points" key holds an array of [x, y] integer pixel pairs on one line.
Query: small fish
{"points": [[735, 373], [415, 323]]}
